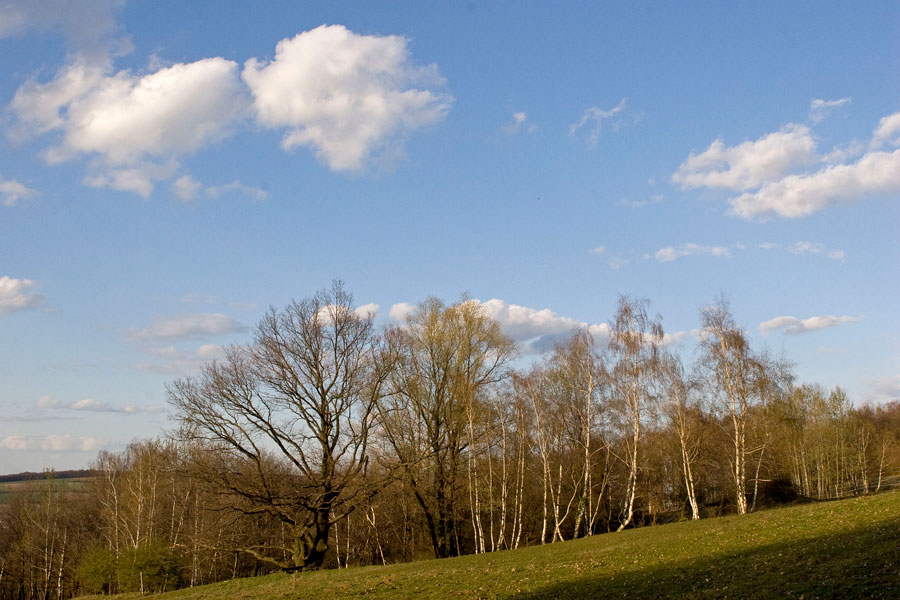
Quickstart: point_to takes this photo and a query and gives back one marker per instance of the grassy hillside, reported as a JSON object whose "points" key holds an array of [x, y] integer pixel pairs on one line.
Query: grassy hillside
{"points": [[842, 549]]}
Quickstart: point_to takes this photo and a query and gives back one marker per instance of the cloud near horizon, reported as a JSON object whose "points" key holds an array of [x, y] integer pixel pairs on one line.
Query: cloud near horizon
{"points": [[51, 443], [794, 326], [92, 405]]}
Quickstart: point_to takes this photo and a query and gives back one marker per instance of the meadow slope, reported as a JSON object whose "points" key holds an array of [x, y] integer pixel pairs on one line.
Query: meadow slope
{"points": [[841, 549]]}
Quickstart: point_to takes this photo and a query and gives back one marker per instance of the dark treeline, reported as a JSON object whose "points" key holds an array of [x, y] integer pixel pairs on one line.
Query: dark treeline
{"points": [[328, 443], [31, 475]]}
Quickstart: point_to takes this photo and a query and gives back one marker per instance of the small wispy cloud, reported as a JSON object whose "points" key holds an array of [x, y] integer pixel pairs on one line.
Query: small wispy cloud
{"points": [[807, 248], [11, 191], [670, 253], [820, 108], [170, 360], [519, 123], [187, 327], [49, 403], [593, 119], [188, 189]]}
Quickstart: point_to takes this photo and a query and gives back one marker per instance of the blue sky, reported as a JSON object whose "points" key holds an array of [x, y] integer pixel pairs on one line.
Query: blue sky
{"points": [[168, 170]]}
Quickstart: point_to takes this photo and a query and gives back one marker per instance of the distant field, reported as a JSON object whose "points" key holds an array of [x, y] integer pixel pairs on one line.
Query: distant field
{"points": [[840, 549], [9, 488]]}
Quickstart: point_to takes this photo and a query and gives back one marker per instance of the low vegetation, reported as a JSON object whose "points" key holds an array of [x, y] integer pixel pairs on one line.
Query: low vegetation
{"points": [[836, 549]]}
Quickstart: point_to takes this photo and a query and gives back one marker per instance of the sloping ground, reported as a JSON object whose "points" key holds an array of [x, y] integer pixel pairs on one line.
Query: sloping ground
{"points": [[841, 549]]}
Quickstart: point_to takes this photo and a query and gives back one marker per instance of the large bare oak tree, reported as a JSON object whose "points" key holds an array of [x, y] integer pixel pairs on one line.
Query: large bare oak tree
{"points": [[285, 421]]}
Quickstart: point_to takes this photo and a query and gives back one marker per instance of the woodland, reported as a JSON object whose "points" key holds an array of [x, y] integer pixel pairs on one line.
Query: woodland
{"points": [[327, 442]]}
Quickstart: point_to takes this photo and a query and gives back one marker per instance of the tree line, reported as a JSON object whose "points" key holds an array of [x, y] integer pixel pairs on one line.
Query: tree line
{"points": [[326, 442]]}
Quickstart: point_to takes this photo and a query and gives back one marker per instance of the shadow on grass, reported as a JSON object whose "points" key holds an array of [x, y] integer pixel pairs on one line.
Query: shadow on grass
{"points": [[859, 563]]}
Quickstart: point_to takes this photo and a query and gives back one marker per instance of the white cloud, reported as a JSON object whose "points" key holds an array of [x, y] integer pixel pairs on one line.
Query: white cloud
{"points": [[887, 132], [884, 389], [133, 126], [347, 96], [674, 339], [91, 405], [14, 295], [806, 248], [819, 108], [193, 326], [670, 253], [367, 310], [186, 188], [801, 195], [12, 191], [793, 325], [327, 312], [593, 119], [51, 443], [837, 255], [840, 154], [124, 117], [400, 311], [538, 330], [139, 179], [749, 164], [523, 323]]}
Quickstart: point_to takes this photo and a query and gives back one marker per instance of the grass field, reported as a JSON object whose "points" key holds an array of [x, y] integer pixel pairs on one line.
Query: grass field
{"points": [[9, 488], [840, 549]]}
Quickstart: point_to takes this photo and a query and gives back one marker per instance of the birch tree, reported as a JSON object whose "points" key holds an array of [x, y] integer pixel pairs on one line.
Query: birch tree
{"points": [[634, 347], [685, 420], [733, 370]]}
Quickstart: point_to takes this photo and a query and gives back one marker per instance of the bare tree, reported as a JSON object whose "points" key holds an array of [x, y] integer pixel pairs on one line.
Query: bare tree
{"points": [[576, 372], [634, 344], [287, 421], [733, 375], [685, 419], [445, 356]]}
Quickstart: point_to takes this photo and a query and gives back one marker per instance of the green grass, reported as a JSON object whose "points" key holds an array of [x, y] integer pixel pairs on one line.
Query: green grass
{"points": [[841, 549]]}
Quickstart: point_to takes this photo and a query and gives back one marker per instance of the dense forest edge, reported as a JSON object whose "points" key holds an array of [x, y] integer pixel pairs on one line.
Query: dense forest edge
{"points": [[326, 443]]}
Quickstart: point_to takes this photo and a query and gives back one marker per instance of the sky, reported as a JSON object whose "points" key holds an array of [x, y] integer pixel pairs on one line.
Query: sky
{"points": [[170, 170]]}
